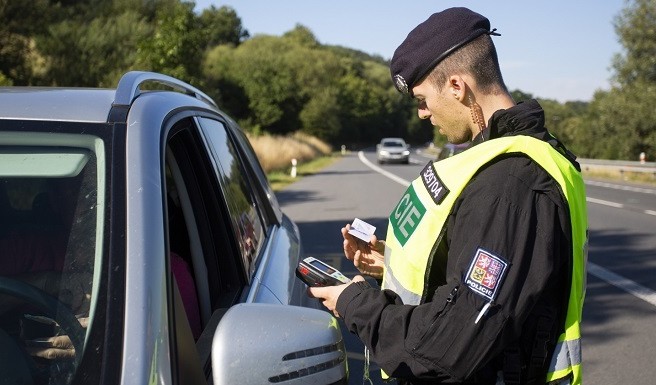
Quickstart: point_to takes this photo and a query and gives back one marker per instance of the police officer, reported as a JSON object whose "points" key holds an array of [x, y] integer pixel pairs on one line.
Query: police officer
{"points": [[483, 264]]}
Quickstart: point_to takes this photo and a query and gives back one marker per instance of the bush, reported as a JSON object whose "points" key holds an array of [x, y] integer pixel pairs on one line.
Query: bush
{"points": [[277, 152]]}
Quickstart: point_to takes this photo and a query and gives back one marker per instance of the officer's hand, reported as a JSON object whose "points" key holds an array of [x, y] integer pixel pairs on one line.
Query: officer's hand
{"points": [[54, 348], [329, 294], [368, 258]]}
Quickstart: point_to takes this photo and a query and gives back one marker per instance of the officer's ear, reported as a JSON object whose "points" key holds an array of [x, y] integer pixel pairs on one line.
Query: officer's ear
{"points": [[457, 86]]}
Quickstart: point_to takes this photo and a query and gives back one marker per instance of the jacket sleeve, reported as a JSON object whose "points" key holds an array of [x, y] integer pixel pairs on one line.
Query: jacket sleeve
{"points": [[441, 340]]}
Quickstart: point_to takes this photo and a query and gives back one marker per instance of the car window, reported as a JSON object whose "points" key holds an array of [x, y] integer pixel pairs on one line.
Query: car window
{"points": [[238, 191], [205, 256], [271, 209], [52, 216]]}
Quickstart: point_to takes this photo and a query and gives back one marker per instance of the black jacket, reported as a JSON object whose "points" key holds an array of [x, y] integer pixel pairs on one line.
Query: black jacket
{"points": [[514, 209]]}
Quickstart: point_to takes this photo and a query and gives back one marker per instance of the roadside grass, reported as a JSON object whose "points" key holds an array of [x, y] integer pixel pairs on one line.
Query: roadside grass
{"points": [[276, 153], [631, 177], [282, 178]]}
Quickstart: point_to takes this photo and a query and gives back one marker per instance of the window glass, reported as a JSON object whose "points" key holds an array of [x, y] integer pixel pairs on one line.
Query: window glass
{"points": [[51, 226], [269, 197], [244, 216]]}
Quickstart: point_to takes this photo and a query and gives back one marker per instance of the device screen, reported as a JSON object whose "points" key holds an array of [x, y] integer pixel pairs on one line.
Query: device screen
{"points": [[322, 267]]}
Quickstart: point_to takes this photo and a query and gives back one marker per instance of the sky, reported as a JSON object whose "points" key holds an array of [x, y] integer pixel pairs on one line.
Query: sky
{"points": [[558, 49]]}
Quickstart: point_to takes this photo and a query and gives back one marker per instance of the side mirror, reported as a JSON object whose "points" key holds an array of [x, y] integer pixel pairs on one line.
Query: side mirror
{"points": [[263, 343]]}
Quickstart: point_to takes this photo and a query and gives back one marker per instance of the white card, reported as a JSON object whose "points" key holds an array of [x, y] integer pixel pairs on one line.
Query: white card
{"points": [[361, 229]]}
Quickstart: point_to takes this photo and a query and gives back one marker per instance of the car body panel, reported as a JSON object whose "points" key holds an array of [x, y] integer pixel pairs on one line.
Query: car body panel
{"points": [[450, 149]]}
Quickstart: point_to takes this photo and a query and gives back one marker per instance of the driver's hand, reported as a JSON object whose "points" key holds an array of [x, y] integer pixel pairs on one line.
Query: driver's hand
{"points": [[54, 348]]}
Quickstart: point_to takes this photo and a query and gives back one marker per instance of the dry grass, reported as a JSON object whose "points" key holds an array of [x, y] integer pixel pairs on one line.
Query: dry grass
{"points": [[633, 177], [277, 152]]}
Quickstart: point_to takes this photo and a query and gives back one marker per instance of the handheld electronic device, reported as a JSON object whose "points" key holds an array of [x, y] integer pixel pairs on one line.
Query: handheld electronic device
{"points": [[317, 273]]}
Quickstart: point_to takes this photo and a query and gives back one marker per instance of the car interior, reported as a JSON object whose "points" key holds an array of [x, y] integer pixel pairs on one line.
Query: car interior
{"points": [[50, 219]]}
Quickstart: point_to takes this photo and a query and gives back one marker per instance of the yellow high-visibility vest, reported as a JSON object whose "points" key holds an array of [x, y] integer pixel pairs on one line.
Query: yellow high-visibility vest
{"points": [[417, 224]]}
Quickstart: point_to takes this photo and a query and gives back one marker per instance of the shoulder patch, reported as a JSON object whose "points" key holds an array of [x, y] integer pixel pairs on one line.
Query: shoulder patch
{"points": [[433, 184], [486, 273]]}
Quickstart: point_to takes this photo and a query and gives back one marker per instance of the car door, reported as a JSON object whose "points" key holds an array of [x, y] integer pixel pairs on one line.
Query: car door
{"points": [[215, 232]]}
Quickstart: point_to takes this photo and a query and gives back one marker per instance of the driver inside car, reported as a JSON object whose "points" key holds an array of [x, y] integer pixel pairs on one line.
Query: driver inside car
{"points": [[46, 245]]}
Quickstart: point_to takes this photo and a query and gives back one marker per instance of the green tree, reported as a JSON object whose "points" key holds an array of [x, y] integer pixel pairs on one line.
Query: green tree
{"points": [[259, 67], [94, 53], [176, 47], [558, 116], [520, 96], [635, 77], [302, 36], [277, 76], [320, 115], [20, 22], [221, 26], [4, 81], [620, 123], [636, 29]]}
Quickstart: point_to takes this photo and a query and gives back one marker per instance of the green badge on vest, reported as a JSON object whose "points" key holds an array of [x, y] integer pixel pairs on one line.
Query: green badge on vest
{"points": [[406, 216]]}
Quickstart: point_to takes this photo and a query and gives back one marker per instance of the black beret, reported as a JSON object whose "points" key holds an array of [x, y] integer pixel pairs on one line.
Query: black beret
{"points": [[432, 41]]}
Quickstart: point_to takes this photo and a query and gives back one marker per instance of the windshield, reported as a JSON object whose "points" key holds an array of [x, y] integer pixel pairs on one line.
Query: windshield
{"points": [[51, 235], [393, 143]]}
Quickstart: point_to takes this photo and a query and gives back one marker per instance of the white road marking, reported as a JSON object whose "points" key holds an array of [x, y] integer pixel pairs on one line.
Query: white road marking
{"points": [[616, 205], [605, 203], [381, 171], [621, 187], [625, 284]]}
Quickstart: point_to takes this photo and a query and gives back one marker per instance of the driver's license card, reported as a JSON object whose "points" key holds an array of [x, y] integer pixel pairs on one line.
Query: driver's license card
{"points": [[362, 230]]}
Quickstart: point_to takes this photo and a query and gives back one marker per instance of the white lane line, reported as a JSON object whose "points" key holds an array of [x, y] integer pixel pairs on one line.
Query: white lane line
{"points": [[621, 187], [605, 203], [616, 205], [625, 284], [380, 170], [596, 270]]}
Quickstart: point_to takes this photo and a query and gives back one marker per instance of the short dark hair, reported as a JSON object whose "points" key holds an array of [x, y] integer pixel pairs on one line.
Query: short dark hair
{"points": [[477, 58]]}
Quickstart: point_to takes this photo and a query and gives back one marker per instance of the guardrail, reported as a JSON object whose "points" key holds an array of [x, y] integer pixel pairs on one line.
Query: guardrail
{"points": [[620, 166]]}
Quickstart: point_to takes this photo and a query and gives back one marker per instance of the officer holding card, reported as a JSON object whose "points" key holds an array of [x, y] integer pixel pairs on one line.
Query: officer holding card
{"points": [[483, 265]]}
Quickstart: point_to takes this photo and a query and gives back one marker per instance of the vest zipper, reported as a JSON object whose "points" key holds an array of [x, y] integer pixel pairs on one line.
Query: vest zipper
{"points": [[452, 295]]}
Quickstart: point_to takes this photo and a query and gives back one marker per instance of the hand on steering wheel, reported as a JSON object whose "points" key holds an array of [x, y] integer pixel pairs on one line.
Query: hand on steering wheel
{"points": [[51, 307]]}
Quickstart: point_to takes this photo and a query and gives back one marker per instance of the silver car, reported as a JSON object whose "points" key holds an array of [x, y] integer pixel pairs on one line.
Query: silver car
{"points": [[392, 150], [140, 242]]}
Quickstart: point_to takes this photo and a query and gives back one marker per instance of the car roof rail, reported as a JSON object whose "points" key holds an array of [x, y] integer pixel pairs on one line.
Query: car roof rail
{"points": [[129, 87]]}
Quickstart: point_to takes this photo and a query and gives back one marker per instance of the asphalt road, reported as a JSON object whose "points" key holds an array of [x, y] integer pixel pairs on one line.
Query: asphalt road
{"points": [[619, 339]]}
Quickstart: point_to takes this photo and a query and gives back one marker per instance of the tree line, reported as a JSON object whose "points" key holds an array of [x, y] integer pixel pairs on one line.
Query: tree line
{"points": [[292, 83]]}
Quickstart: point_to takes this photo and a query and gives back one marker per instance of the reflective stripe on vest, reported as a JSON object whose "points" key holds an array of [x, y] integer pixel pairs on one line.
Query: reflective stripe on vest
{"points": [[416, 226]]}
